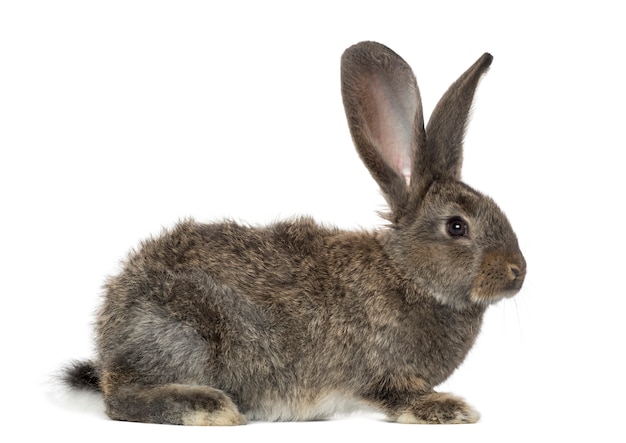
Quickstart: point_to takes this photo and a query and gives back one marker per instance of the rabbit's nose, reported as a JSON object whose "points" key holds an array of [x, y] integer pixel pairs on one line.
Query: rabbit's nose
{"points": [[514, 272], [517, 272], [516, 264]]}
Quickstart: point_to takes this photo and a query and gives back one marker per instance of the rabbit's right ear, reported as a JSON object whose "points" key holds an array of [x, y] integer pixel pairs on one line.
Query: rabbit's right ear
{"points": [[384, 111]]}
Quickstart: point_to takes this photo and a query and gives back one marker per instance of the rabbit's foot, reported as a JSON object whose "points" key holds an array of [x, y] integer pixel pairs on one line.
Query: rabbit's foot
{"points": [[439, 408], [172, 404], [222, 417]]}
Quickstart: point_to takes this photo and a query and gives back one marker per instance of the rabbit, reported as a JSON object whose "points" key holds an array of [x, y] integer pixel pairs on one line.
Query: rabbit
{"points": [[224, 323]]}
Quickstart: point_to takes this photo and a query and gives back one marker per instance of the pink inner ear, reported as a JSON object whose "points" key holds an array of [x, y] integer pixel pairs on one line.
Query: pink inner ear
{"points": [[391, 124]]}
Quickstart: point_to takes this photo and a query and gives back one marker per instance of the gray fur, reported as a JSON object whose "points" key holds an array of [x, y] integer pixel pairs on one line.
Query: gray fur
{"points": [[220, 323]]}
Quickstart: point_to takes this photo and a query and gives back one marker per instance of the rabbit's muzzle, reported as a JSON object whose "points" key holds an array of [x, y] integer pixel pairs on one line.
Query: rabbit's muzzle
{"points": [[500, 276]]}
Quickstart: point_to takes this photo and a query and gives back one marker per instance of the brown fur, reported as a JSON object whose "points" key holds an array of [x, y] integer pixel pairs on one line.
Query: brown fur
{"points": [[219, 323]]}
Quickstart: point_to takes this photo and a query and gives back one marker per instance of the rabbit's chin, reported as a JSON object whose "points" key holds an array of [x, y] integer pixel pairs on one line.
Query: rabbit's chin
{"points": [[486, 299]]}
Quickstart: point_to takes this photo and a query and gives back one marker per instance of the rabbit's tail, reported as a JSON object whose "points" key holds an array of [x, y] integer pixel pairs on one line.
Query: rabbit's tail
{"points": [[84, 375]]}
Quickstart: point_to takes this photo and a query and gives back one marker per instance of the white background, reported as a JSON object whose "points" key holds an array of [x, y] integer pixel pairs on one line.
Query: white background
{"points": [[118, 118]]}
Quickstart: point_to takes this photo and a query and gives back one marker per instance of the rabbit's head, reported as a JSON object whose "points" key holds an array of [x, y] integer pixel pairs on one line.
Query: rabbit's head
{"points": [[452, 242]]}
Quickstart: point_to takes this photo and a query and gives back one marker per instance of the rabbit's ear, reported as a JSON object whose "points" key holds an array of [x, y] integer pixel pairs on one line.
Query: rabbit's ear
{"points": [[384, 111], [442, 156]]}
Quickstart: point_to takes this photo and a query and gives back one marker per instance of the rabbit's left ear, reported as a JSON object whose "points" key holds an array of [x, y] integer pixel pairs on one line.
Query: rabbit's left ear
{"points": [[442, 156], [384, 111]]}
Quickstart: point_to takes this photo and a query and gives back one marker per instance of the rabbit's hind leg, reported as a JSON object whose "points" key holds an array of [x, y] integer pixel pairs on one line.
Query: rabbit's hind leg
{"points": [[172, 404]]}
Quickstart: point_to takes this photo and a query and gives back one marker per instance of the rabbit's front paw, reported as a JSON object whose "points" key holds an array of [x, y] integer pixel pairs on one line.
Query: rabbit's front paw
{"points": [[439, 408]]}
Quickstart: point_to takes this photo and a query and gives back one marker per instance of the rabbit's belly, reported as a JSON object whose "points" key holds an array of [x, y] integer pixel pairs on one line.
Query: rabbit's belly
{"points": [[325, 406]]}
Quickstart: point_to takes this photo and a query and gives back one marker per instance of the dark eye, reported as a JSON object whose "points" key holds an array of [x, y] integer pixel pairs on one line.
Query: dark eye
{"points": [[457, 227]]}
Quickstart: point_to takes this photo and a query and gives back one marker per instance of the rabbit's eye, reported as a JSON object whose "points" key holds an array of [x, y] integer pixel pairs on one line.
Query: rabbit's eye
{"points": [[457, 227]]}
